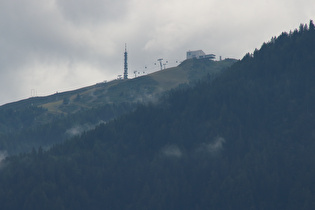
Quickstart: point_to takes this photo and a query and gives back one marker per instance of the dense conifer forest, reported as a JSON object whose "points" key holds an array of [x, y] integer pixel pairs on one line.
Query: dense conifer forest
{"points": [[243, 140], [22, 129], [47, 120]]}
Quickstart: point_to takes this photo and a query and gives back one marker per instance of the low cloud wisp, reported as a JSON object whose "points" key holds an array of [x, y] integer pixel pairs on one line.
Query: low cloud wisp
{"points": [[214, 147], [79, 129], [171, 151], [3, 155]]}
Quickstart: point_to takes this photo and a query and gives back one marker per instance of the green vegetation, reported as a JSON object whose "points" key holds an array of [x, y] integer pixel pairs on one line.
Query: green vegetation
{"points": [[43, 121], [123, 91], [62, 128], [242, 140]]}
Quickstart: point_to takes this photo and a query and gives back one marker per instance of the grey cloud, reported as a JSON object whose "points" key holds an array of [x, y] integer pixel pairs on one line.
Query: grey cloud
{"points": [[57, 45], [96, 11], [40, 48]]}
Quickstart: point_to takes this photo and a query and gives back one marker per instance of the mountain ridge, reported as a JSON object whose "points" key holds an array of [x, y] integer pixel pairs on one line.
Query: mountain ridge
{"points": [[52, 116], [242, 140], [178, 75]]}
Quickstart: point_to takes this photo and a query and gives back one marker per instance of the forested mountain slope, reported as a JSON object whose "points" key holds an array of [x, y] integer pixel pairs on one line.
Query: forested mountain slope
{"points": [[140, 89], [243, 141], [43, 121]]}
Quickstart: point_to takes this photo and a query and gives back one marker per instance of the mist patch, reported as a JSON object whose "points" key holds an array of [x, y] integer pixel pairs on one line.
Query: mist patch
{"points": [[213, 147], [171, 151], [3, 155], [79, 129]]}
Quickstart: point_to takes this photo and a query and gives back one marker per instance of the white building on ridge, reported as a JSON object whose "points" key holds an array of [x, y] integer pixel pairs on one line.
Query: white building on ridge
{"points": [[199, 54]]}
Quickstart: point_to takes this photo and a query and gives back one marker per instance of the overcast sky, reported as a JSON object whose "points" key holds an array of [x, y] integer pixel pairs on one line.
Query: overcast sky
{"points": [[57, 45]]}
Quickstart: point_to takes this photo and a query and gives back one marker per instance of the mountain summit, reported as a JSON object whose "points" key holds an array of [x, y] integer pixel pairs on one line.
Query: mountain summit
{"points": [[44, 121], [242, 140]]}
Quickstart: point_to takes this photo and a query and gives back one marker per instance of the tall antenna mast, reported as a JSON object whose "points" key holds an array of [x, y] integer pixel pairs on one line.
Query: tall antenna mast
{"points": [[125, 63]]}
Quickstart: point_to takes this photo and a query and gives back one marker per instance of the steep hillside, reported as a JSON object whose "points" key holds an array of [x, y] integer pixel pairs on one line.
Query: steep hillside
{"points": [[43, 121], [138, 89], [245, 140]]}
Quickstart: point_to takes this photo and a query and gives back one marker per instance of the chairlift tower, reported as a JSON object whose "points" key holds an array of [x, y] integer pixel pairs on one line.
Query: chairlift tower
{"points": [[160, 60], [125, 63]]}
